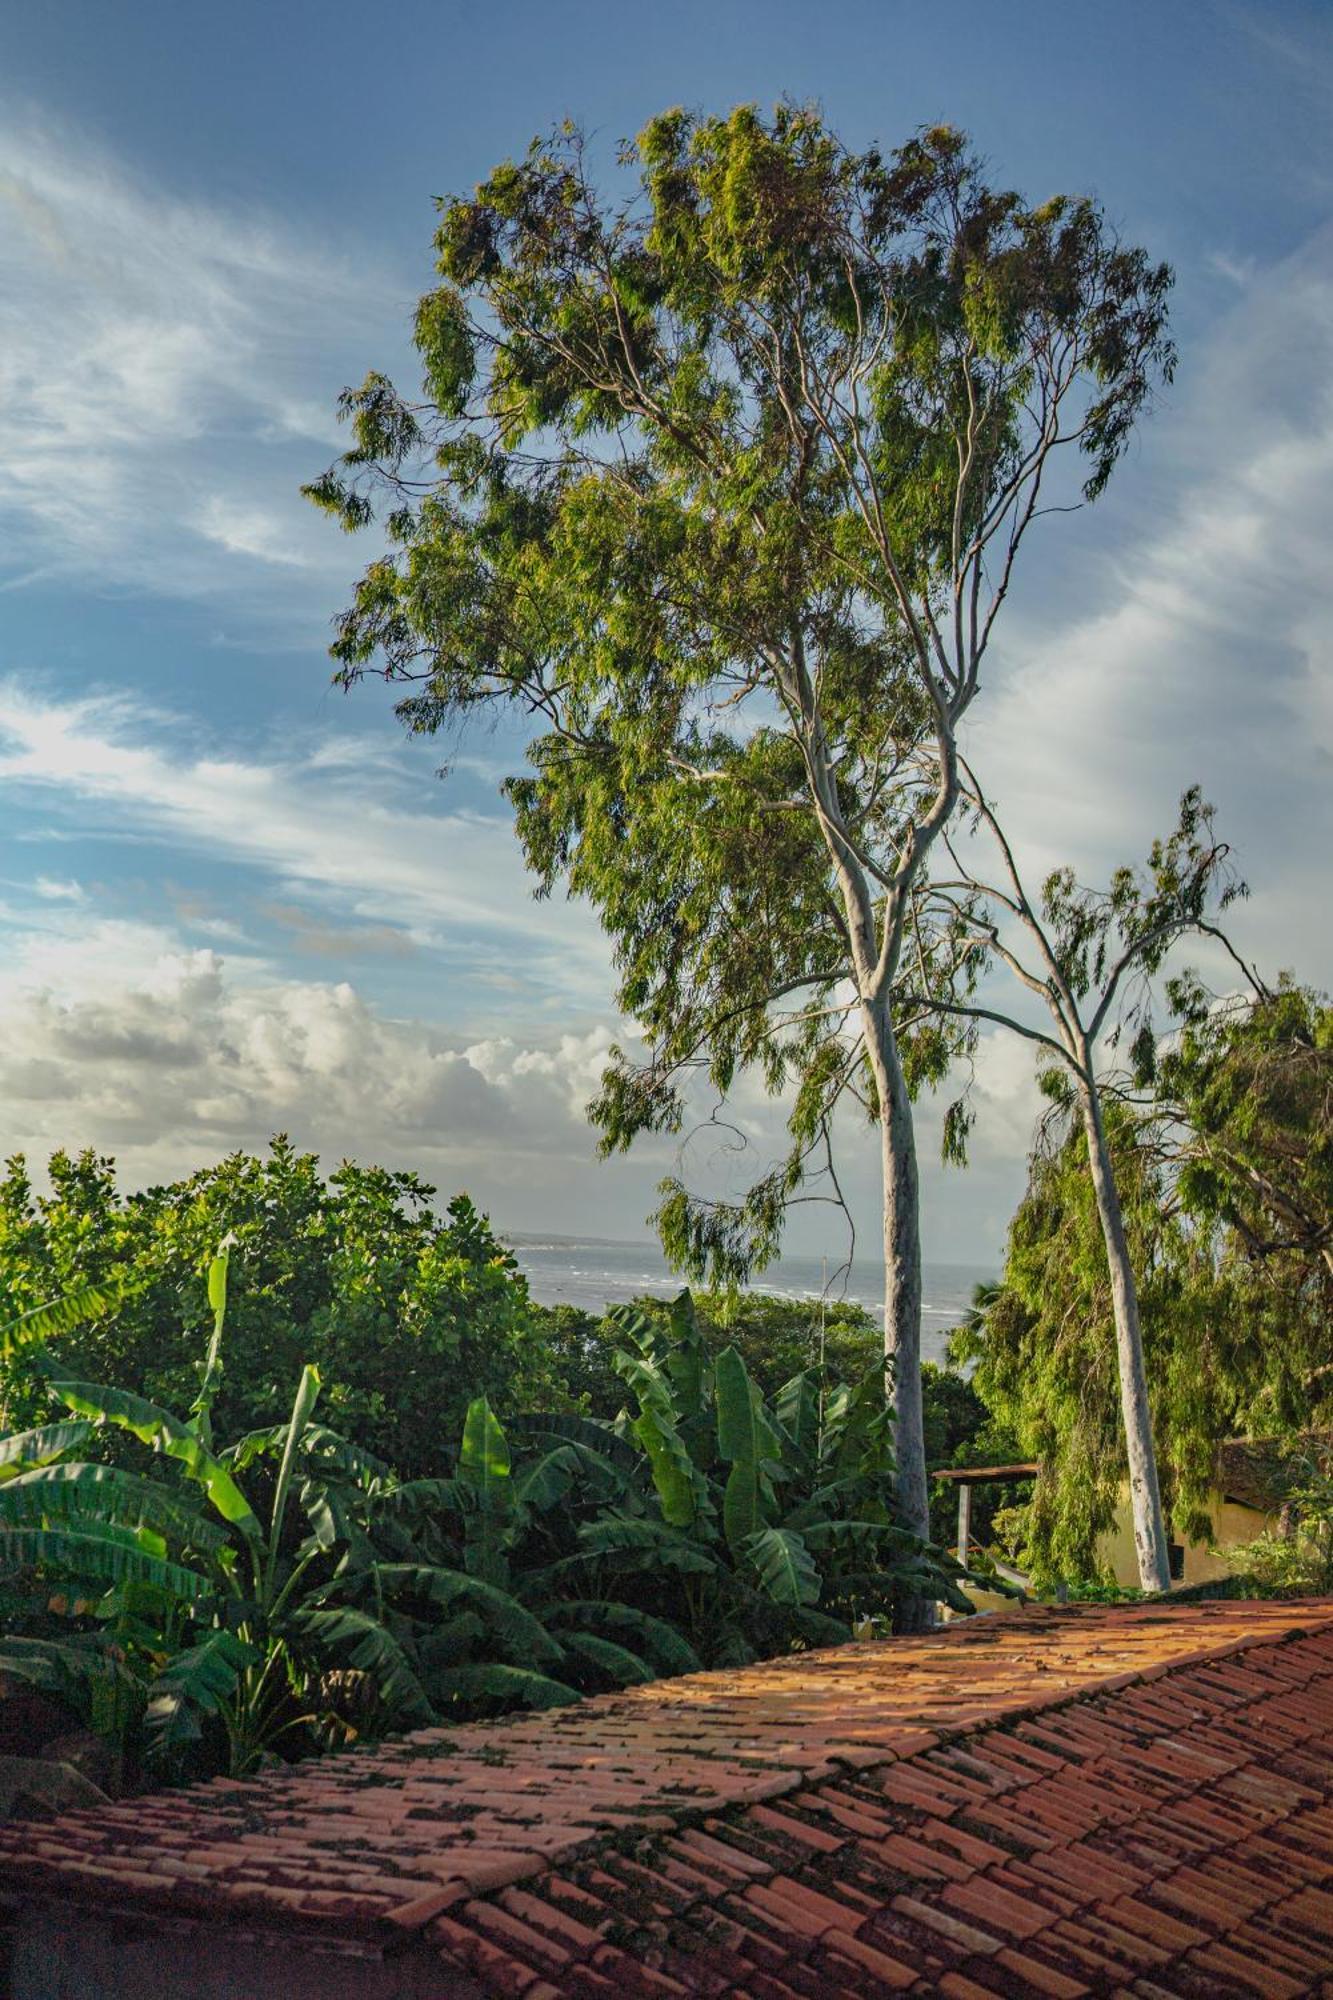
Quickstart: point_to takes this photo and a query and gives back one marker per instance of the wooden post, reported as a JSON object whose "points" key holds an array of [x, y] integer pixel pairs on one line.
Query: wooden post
{"points": [[964, 1520]]}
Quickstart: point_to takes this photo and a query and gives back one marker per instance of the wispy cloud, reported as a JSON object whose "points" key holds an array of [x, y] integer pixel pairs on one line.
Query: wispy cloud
{"points": [[1203, 649], [359, 833], [156, 367]]}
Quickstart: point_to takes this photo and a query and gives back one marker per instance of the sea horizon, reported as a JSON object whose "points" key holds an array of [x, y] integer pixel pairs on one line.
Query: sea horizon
{"points": [[594, 1272]]}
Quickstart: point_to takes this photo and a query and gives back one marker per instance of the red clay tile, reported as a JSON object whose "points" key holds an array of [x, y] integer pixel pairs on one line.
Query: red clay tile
{"points": [[1128, 1766]]}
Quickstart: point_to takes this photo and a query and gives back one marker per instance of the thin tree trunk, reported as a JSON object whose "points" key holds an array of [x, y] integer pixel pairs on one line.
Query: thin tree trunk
{"points": [[902, 1293], [1144, 1493]]}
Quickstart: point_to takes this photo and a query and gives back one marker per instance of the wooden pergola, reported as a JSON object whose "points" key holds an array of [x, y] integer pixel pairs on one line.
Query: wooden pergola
{"points": [[968, 1476]]}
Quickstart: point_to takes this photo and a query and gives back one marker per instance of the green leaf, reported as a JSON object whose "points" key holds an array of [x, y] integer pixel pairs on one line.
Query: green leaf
{"points": [[797, 1409], [687, 1359], [99, 1550], [55, 1317], [514, 1685], [785, 1566], [483, 1471], [70, 1670], [73, 1492], [674, 1474], [364, 1643], [590, 1433], [307, 1390], [21, 1451], [744, 1439], [199, 1681], [164, 1433], [626, 1669], [444, 1589], [669, 1652], [648, 1544]]}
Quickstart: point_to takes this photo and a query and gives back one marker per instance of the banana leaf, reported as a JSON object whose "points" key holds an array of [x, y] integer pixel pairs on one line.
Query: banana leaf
{"points": [[56, 1316], [784, 1566], [362, 1641], [197, 1682], [484, 1473], [165, 1433], [660, 1642], [648, 1545], [626, 1669], [22, 1451], [446, 1589], [102, 1551], [74, 1492], [502, 1683]]}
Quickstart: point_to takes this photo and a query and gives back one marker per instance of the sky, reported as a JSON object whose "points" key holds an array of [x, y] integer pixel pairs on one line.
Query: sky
{"points": [[234, 901]]}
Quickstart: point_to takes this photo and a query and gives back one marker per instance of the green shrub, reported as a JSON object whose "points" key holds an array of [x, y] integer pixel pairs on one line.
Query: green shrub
{"points": [[407, 1316]]}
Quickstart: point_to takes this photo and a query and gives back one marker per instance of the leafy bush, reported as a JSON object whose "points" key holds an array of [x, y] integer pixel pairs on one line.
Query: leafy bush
{"points": [[291, 1589], [1295, 1559], [771, 1524], [407, 1316]]}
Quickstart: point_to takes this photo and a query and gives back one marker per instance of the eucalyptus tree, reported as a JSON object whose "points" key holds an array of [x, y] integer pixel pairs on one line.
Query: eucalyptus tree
{"points": [[721, 477], [1088, 958]]}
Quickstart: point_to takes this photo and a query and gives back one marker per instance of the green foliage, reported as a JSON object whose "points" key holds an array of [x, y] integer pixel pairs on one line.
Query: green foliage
{"points": [[697, 474], [406, 1315], [756, 1525], [1225, 1169], [290, 1590], [1296, 1558], [777, 1337]]}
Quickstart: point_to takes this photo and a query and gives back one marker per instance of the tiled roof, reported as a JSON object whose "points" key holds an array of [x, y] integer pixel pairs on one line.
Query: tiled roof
{"points": [[1048, 1803], [1264, 1472]]}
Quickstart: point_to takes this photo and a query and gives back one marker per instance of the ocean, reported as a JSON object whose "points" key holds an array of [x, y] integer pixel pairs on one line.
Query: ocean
{"points": [[594, 1272]]}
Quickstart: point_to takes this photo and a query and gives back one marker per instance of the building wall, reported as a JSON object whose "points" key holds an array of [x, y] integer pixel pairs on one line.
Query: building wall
{"points": [[69, 1954], [1232, 1525]]}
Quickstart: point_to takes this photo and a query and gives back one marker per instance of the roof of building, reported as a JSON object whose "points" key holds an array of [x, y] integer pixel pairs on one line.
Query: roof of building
{"points": [[1048, 1802], [1264, 1472], [979, 1475]]}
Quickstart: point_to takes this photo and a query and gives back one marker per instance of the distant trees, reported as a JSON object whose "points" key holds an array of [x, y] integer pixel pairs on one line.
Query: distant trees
{"points": [[1224, 1164], [722, 482]]}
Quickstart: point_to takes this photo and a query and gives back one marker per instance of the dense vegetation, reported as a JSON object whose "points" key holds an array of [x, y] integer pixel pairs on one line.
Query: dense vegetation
{"points": [[204, 1605], [717, 477], [406, 1314], [1225, 1162]]}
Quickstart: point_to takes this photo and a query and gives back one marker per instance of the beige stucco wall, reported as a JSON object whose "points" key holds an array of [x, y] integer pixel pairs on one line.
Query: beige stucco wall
{"points": [[1232, 1524]]}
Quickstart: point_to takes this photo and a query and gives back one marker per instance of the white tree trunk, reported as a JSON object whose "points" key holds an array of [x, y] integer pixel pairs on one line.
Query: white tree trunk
{"points": [[1144, 1493], [902, 1290]]}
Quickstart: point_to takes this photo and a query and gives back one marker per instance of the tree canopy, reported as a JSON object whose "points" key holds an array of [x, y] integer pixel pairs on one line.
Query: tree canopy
{"points": [[407, 1314], [707, 482], [722, 481], [1226, 1178]]}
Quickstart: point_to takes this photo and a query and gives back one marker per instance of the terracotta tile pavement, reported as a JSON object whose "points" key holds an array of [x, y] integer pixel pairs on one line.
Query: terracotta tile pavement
{"points": [[1130, 1800]]}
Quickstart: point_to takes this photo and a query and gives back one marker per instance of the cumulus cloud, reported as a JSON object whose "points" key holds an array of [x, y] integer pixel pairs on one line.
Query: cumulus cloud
{"points": [[116, 1036]]}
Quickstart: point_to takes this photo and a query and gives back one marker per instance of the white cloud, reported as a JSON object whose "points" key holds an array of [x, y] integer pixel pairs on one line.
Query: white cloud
{"points": [[116, 1036], [244, 530], [1203, 648], [357, 832], [167, 375]]}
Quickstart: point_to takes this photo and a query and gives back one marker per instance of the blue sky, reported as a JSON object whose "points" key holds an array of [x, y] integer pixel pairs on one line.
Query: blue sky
{"points": [[233, 900]]}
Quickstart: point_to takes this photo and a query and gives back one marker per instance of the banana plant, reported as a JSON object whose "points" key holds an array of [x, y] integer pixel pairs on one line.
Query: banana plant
{"points": [[761, 1528]]}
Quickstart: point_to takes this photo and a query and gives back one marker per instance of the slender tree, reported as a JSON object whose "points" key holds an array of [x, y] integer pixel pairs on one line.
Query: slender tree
{"points": [[1223, 1160], [1089, 956], [722, 480]]}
